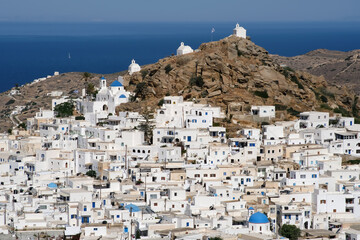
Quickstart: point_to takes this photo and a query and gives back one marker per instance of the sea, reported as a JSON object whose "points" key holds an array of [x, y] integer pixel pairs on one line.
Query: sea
{"points": [[33, 50]]}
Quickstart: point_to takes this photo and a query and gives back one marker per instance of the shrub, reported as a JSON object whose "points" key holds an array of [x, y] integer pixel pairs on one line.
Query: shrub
{"points": [[292, 111], [325, 106], [90, 89], [64, 109], [296, 80], [290, 231], [11, 101], [356, 162], [144, 73], [239, 52], [161, 102], [342, 110], [168, 68], [91, 173], [323, 99], [79, 118], [289, 69], [262, 94], [280, 107], [140, 90], [333, 121], [197, 81], [204, 93], [325, 92], [22, 125]]}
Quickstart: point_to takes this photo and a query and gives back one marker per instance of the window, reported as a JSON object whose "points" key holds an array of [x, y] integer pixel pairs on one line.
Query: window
{"points": [[197, 175], [302, 176], [155, 204], [314, 176], [322, 201], [212, 175]]}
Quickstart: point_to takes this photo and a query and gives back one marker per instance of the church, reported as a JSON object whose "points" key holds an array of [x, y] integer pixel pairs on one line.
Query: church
{"points": [[183, 49], [107, 99]]}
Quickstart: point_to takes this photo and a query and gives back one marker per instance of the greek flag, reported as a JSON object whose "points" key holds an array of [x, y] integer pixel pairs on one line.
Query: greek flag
{"points": [[212, 30]]}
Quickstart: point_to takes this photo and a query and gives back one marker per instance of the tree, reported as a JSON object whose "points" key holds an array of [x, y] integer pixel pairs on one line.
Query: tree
{"points": [[90, 89], [290, 231], [64, 109], [138, 234], [22, 125], [91, 173], [86, 76], [168, 68], [140, 90], [147, 127], [197, 81]]}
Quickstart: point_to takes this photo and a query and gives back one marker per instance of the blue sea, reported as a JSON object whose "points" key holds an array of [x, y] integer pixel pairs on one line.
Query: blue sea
{"points": [[32, 50]]}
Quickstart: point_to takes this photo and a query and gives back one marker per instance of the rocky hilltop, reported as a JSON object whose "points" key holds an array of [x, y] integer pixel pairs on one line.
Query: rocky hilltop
{"points": [[233, 73], [341, 68]]}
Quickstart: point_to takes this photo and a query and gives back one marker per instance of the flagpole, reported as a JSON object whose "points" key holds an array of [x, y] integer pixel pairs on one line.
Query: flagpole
{"points": [[212, 33]]}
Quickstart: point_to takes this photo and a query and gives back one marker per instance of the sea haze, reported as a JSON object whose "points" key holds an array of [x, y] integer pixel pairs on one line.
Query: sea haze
{"points": [[32, 50]]}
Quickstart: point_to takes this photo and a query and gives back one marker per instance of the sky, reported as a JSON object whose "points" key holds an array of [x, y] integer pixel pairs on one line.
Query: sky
{"points": [[179, 11]]}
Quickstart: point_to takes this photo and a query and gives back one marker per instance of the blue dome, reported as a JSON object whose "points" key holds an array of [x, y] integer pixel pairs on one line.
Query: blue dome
{"points": [[251, 208], [122, 96], [133, 208], [102, 78], [258, 218], [116, 84]]}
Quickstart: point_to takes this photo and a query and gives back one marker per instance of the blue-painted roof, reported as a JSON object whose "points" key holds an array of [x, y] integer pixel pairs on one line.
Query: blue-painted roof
{"points": [[251, 208], [122, 96], [133, 207], [258, 217], [52, 185], [116, 84], [102, 78]]}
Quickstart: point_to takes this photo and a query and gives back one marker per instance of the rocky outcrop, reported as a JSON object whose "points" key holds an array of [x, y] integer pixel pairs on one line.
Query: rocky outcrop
{"points": [[235, 70]]}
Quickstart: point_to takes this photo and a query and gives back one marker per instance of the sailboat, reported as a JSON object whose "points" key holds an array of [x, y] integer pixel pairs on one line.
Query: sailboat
{"points": [[69, 56]]}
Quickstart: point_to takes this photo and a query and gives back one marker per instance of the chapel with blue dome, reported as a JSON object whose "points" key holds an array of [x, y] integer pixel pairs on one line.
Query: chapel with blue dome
{"points": [[259, 223], [107, 98]]}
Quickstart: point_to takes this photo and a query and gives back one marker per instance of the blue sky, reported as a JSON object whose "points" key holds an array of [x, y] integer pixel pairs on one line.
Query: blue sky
{"points": [[178, 11]]}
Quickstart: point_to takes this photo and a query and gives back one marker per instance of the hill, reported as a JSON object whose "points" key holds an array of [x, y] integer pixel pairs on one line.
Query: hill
{"points": [[340, 68], [232, 73]]}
